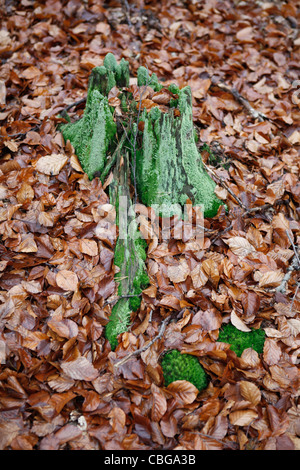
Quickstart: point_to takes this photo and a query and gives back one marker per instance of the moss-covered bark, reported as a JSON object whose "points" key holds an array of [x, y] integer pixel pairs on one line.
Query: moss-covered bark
{"points": [[130, 255], [94, 135], [169, 165]]}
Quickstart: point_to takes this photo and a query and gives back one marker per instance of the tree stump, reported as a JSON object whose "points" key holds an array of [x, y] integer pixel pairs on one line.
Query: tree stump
{"points": [[147, 139]]}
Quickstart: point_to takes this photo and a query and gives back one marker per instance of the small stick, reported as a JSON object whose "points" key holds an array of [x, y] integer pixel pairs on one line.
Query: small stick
{"points": [[113, 159], [294, 248], [294, 266], [255, 114], [162, 329], [70, 106], [127, 12], [222, 182]]}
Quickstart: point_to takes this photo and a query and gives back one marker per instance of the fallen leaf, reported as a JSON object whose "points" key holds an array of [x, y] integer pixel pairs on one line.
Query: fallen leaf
{"points": [[179, 272], [184, 391], [240, 246], [159, 406], [238, 323], [242, 417], [272, 352], [80, 369], [51, 164], [271, 279], [250, 392], [89, 247], [67, 280]]}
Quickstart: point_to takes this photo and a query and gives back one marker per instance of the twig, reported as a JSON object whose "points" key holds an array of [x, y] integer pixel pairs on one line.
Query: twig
{"points": [[294, 266], [294, 248], [162, 329], [257, 209], [255, 114], [294, 297], [113, 158], [70, 106], [127, 12], [222, 182]]}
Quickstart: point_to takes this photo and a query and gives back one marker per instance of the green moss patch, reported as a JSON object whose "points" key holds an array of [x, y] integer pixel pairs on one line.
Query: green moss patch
{"points": [[241, 340], [177, 366]]}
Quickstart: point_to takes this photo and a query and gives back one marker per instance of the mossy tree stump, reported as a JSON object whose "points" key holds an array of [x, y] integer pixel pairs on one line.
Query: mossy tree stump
{"points": [[150, 143]]}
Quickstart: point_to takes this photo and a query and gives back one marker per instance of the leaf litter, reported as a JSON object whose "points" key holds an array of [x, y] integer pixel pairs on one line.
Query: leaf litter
{"points": [[61, 386]]}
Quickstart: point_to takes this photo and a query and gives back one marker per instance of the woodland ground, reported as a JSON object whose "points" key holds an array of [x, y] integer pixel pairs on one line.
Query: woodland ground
{"points": [[60, 387]]}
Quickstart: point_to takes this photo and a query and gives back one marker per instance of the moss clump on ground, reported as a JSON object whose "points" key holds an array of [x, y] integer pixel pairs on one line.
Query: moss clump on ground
{"points": [[241, 340], [177, 366]]}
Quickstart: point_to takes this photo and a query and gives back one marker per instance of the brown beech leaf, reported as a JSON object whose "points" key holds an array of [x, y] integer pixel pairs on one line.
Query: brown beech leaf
{"points": [[28, 245], [271, 279], [51, 164], [67, 280], [117, 420], [184, 391], [210, 268], [65, 328], [46, 219], [159, 406], [238, 323], [240, 246], [179, 272], [250, 392], [242, 417], [25, 193], [272, 352], [162, 97], [89, 247], [80, 369]]}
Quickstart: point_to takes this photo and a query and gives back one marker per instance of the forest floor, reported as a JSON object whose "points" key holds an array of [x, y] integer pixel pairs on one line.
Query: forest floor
{"points": [[61, 386]]}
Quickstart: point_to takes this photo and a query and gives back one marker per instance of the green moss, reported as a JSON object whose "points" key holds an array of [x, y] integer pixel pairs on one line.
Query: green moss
{"points": [[241, 340], [145, 79], [130, 256], [93, 134], [177, 366], [119, 322], [169, 165]]}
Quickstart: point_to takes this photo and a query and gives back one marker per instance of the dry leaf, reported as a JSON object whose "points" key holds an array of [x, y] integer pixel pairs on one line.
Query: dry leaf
{"points": [[240, 246], [46, 219], [184, 391], [28, 245], [67, 280], [25, 194], [238, 323], [159, 406], [80, 369], [89, 247], [272, 352], [179, 272], [250, 392], [271, 279], [51, 164], [242, 417]]}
